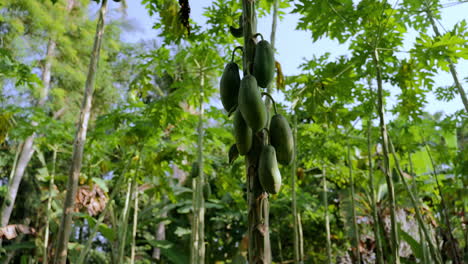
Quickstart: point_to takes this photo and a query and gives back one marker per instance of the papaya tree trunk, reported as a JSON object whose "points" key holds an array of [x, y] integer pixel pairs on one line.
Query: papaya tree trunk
{"points": [[257, 200], [357, 239], [394, 245], [453, 71], [327, 219], [375, 218], [78, 146]]}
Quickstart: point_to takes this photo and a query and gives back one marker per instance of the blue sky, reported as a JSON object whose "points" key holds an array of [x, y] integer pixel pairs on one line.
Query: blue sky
{"points": [[294, 46]]}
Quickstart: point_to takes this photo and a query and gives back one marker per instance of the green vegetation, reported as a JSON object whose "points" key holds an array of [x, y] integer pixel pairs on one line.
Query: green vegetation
{"points": [[180, 150]]}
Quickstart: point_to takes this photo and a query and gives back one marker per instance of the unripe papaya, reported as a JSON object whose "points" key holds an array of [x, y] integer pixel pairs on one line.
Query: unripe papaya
{"points": [[268, 172], [195, 170], [282, 139], [229, 86], [251, 104], [264, 63], [242, 134]]}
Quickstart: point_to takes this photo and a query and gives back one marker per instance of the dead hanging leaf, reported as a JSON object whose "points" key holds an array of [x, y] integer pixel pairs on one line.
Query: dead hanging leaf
{"points": [[280, 82], [11, 231], [184, 14], [93, 199], [233, 153]]}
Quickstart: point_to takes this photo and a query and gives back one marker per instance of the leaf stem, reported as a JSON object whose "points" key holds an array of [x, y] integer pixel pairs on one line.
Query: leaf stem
{"points": [[271, 98]]}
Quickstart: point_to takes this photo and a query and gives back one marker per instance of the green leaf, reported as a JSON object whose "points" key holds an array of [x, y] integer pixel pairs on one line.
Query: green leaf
{"points": [[415, 245]]}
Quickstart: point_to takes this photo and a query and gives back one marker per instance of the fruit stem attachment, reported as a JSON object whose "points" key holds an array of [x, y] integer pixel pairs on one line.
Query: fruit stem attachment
{"points": [[265, 139], [272, 100], [256, 35], [232, 110], [248, 67], [234, 51]]}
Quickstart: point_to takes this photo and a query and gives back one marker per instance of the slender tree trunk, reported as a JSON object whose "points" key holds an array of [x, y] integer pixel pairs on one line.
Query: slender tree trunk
{"points": [[453, 71], [357, 239], [201, 179], [49, 206], [301, 238], [135, 224], [78, 146], [297, 256], [391, 193], [375, 218], [257, 200], [327, 220], [198, 220]]}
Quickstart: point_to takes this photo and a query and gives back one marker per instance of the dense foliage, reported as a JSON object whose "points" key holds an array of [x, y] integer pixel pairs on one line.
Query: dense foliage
{"points": [[371, 181]]}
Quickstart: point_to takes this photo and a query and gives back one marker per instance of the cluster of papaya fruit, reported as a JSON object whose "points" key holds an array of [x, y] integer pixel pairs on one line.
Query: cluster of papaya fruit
{"points": [[243, 99]]}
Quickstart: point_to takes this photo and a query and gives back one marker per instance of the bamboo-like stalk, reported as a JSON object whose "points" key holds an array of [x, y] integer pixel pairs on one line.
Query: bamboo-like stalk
{"points": [[123, 225], [434, 253], [353, 207], [444, 209], [78, 145], [327, 219], [384, 137], [257, 200], [376, 226]]}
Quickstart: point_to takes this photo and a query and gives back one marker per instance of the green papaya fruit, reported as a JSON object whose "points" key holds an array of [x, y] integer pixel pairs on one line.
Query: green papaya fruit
{"points": [[229, 86], [264, 63], [242, 134], [282, 139], [251, 104], [206, 191], [268, 172], [195, 170]]}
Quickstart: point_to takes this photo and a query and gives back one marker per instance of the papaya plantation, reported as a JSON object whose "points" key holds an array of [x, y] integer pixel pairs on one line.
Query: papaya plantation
{"points": [[233, 132]]}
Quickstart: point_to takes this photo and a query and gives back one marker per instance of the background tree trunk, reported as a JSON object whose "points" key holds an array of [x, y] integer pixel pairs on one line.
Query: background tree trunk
{"points": [[78, 146], [327, 220], [375, 218], [198, 220], [357, 253], [28, 145]]}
